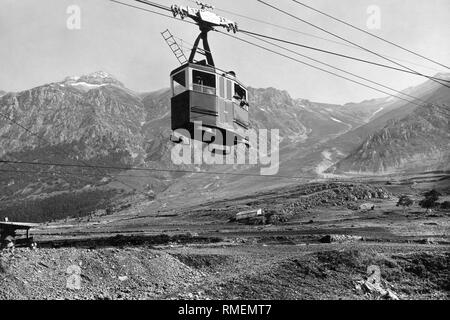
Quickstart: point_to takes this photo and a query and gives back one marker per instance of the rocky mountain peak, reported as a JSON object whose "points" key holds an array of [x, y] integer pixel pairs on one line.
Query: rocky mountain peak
{"points": [[92, 80], [269, 97]]}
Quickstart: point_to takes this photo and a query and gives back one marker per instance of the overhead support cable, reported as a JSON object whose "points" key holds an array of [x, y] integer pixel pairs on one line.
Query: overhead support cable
{"points": [[55, 164], [404, 69], [340, 55], [339, 69], [369, 33], [348, 41], [324, 70], [291, 58]]}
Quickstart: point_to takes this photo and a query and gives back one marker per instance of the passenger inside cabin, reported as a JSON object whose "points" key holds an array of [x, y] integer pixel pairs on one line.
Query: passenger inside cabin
{"points": [[204, 82], [241, 95], [198, 80]]}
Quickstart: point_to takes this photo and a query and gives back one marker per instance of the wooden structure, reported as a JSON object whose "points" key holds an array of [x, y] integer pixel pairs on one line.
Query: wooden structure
{"points": [[248, 214], [252, 217], [9, 237]]}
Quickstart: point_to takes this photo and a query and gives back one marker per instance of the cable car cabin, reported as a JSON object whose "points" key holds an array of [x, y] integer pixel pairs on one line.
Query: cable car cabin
{"points": [[202, 93], [205, 99]]}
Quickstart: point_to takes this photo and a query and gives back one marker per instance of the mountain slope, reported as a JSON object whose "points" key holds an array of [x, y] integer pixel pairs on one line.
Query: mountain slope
{"points": [[95, 119], [386, 110], [84, 120], [104, 118], [419, 141]]}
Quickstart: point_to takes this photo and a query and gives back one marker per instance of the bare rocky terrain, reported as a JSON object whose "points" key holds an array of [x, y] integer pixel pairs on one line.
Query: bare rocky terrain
{"points": [[316, 244]]}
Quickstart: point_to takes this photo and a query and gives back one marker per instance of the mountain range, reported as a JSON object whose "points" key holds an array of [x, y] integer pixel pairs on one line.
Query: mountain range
{"points": [[95, 119]]}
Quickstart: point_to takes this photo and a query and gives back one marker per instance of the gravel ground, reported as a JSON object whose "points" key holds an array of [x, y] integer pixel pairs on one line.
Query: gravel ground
{"points": [[197, 252], [225, 271]]}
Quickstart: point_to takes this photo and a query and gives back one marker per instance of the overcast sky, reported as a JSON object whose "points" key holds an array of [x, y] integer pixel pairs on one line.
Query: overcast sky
{"points": [[36, 47]]}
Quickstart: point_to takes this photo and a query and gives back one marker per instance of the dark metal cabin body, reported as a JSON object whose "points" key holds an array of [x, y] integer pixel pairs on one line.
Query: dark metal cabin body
{"points": [[201, 93]]}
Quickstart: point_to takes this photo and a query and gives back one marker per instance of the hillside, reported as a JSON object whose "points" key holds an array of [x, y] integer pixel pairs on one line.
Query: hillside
{"points": [[95, 120], [419, 141], [389, 109]]}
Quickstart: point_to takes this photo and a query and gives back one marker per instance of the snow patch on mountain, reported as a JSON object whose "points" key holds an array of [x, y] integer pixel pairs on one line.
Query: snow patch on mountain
{"points": [[87, 85], [92, 80], [337, 120], [378, 111]]}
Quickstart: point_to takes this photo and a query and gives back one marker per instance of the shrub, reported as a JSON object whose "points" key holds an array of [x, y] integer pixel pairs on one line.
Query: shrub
{"points": [[64, 205], [405, 202], [430, 200], [433, 194], [445, 205]]}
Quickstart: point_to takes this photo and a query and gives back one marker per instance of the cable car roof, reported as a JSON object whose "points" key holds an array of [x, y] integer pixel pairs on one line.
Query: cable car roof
{"points": [[18, 225]]}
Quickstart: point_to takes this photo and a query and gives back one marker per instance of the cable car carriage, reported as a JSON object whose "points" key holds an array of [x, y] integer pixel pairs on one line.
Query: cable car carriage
{"points": [[207, 99]]}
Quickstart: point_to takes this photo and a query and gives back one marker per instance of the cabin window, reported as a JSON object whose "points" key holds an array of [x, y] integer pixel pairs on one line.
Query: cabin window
{"points": [[204, 82], [229, 87], [222, 87], [239, 92], [179, 83]]}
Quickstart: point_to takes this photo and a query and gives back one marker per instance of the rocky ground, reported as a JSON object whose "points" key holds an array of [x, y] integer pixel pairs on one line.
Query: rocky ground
{"points": [[249, 271], [320, 243]]}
